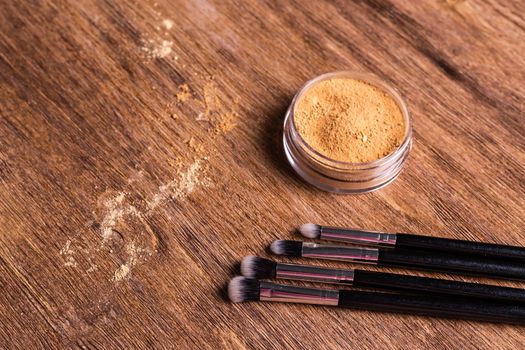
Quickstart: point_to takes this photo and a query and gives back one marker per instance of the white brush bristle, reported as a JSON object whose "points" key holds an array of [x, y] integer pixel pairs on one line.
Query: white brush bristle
{"points": [[234, 289], [247, 266], [310, 230], [277, 247]]}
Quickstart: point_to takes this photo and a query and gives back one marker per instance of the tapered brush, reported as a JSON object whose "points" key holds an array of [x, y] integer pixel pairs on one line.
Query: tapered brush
{"points": [[412, 241], [428, 260], [260, 268], [242, 289]]}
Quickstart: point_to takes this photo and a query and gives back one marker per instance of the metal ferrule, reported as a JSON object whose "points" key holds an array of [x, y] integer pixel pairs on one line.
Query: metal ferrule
{"points": [[314, 274], [293, 294], [337, 252], [348, 235]]}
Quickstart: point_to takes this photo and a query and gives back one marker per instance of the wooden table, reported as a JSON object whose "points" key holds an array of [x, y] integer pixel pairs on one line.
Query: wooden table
{"points": [[141, 159]]}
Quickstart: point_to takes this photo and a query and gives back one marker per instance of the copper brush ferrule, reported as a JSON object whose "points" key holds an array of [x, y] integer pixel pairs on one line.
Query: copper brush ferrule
{"points": [[313, 273], [293, 294], [354, 236], [336, 252], [350, 235]]}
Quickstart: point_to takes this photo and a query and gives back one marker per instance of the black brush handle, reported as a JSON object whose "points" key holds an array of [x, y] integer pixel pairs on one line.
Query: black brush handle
{"points": [[394, 281], [473, 309], [452, 263], [406, 240]]}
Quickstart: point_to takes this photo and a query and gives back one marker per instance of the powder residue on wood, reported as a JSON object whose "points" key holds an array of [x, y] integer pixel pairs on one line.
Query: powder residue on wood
{"points": [[349, 120], [197, 148], [157, 48], [184, 93], [67, 251], [167, 23], [134, 254], [221, 115], [115, 210], [182, 186]]}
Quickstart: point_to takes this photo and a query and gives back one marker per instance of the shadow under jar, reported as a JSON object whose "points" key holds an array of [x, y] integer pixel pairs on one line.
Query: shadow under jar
{"points": [[343, 177]]}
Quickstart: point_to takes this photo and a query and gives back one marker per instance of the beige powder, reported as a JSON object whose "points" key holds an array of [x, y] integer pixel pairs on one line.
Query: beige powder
{"points": [[349, 120], [184, 93]]}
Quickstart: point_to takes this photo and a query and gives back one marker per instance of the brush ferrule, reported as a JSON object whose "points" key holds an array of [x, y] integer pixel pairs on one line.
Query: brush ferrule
{"points": [[344, 253], [314, 274], [293, 294], [369, 238]]}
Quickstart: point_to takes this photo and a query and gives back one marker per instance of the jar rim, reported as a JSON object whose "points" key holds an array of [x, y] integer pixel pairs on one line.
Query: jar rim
{"points": [[374, 81]]}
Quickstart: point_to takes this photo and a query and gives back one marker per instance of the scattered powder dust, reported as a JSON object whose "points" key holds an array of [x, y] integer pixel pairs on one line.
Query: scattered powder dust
{"points": [[92, 267], [195, 147], [184, 93], [176, 161], [135, 177], [220, 115], [134, 255], [211, 102], [182, 186], [116, 209], [67, 251], [167, 23], [349, 120], [227, 122], [121, 273], [156, 48]]}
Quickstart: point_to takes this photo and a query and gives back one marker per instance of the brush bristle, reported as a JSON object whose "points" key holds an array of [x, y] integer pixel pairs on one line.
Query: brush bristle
{"points": [[288, 248], [243, 289], [310, 230], [255, 267]]}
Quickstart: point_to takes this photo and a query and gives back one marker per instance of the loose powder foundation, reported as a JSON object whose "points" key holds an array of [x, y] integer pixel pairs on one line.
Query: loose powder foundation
{"points": [[349, 120]]}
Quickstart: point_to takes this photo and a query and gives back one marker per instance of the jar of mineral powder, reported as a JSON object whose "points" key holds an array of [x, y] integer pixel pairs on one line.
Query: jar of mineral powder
{"points": [[347, 132]]}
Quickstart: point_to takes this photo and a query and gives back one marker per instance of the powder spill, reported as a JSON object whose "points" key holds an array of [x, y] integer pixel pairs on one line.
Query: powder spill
{"points": [[221, 117], [197, 148], [115, 211], [349, 120], [182, 186], [134, 254], [121, 273], [157, 48], [226, 122], [167, 23], [184, 93], [67, 252]]}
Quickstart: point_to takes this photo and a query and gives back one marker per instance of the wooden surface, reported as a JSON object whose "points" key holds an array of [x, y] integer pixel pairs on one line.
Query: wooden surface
{"points": [[127, 199]]}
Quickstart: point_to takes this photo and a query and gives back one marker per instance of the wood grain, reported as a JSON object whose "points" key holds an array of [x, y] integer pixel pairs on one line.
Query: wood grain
{"points": [[126, 205]]}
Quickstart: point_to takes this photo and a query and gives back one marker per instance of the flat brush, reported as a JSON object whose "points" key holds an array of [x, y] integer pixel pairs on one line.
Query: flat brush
{"points": [[250, 289], [406, 240], [427, 260], [260, 268]]}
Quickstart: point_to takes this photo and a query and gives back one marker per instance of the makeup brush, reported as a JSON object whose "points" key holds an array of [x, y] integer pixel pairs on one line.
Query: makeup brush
{"points": [[406, 240], [260, 268], [242, 289], [428, 260]]}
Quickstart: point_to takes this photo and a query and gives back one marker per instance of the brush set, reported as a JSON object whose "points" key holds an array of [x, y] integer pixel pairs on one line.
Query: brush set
{"points": [[398, 293]]}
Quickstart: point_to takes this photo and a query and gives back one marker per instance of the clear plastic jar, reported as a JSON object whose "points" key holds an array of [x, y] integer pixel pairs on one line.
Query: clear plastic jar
{"points": [[342, 177]]}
